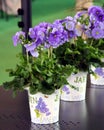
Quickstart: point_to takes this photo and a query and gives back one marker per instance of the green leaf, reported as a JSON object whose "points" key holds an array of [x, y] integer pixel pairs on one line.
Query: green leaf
{"points": [[37, 69], [37, 113], [49, 80]]}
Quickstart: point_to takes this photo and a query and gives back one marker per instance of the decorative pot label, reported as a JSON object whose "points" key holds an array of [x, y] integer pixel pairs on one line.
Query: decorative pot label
{"points": [[98, 77], [76, 89], [44, 109]]}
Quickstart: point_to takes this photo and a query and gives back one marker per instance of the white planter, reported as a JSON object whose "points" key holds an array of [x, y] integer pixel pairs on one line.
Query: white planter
{"points": [[98, 77], [44, 109], [76, 90]]}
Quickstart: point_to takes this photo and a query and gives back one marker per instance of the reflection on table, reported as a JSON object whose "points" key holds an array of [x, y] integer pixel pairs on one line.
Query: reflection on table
{"points": [[83, 115]]}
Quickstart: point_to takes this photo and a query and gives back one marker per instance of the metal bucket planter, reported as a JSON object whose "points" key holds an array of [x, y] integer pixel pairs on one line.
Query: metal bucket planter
{"points": [[76, 90]]}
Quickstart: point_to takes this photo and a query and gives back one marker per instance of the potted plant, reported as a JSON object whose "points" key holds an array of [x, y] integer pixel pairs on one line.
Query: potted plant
{"points": [[39, 71], [80, 52], [93, 30]]}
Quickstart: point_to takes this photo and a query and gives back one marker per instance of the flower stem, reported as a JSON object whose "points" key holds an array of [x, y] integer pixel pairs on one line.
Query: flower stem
{"points": [[50, 51], [27, 57]]}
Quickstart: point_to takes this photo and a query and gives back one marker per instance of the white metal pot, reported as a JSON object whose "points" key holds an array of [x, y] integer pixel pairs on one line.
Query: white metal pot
{"points": [[76, 90], [44, 109], [98, 77]]}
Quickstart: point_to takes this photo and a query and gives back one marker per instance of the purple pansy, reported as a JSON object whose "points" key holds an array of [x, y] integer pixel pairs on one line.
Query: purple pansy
{"points": [[34, 53], [71, 34], [96, 13], [101, 25], [88, 33], [70, 25], [37, 33], [79, 14], [32, 33], [95, 10], [54, 38], [30, 47], [97, 33], [17, 38], [101, 17], [64, 37]]}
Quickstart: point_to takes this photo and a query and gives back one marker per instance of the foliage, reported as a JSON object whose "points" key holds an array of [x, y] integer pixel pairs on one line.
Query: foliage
{"points": [[41, 74], [55, 50], [79, 54], [87, 46]]}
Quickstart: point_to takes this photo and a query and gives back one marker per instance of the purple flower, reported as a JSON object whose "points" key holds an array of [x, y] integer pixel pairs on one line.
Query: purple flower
{"points": [[97, 33], [69, 18], [30, 47], [45, 25], [70, 25], [95, 10], [58, 21], [46, 45], [96, 13], [88, 33], [64, 37], [34, 53], [54, 38], [41, 107], [32, 33], [39, 32], [18, 37], [101, 25], [57, 26], [79, 14], [100, 17], [93, 25], [72, 34], [92, 18]]}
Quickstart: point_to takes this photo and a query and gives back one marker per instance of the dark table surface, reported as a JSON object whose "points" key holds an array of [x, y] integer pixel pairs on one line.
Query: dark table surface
{"points": [[83, 115]]}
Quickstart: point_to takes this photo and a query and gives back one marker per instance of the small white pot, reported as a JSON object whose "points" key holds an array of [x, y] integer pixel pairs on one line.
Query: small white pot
{"points": [[98, 77], [44, 109], [76, 90]]}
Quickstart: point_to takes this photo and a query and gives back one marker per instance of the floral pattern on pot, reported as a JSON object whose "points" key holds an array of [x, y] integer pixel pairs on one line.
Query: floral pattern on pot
{"points": [[76, 89], [65, 89], [97, 78], [99, 71], [41, 108], [44, 109]]}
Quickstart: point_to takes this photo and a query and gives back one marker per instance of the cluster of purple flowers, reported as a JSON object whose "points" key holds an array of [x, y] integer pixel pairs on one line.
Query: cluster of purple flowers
{"points": [[41, 107], [61, 31], [47, 35], [93, 25]]}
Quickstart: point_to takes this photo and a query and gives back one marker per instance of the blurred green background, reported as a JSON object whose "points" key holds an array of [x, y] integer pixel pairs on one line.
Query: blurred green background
{"points": [[42, 10]]}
